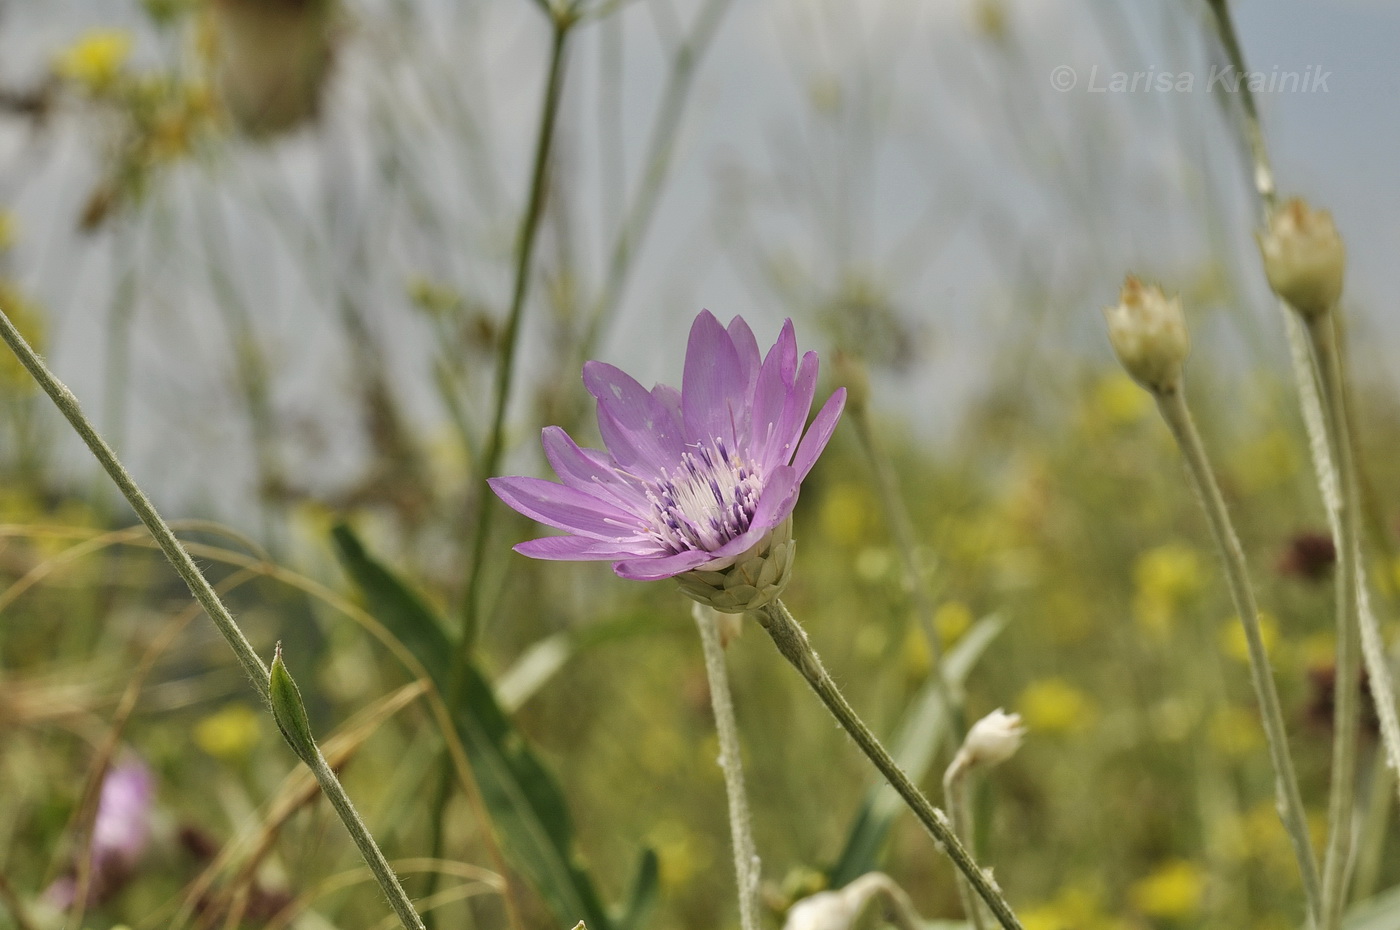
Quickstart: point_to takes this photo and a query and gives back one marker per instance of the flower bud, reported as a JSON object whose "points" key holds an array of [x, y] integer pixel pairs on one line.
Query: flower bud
{"points": [[1148, 333], [992, 740], [1304, 258], [289, 711], [756, 578]]}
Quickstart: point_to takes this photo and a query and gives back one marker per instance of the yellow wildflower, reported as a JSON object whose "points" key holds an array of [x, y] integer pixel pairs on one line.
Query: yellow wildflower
{"points": [[1053, 705], [1236, 731], [1166, 577], [96, 59], [230, 733], [1232, 638], [1173, 891]]}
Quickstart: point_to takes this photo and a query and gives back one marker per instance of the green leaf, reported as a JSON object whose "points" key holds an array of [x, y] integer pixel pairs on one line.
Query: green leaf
{"points": [[914, 747], [643, 896], [526, 803], [396, 606]]}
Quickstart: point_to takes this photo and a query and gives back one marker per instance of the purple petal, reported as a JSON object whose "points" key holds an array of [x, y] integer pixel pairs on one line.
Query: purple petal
{"points": [[567, 509], [664, 567], [579, 549], [819, 433], [588, 471], [636, 426], [796, 406], [747, 346], [670, 398], [712, 387], [770, 394]]}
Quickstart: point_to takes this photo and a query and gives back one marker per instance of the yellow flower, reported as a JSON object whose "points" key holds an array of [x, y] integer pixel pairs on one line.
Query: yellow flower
{"points": [[1166, 577], [1053, 705], [1236, 731], [1232, 638], [96, 59], [1173, 891], [1077, 907], [230, 733]]}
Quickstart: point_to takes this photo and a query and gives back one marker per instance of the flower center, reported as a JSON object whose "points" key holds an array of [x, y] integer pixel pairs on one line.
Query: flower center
{"points": [[704, 503]]}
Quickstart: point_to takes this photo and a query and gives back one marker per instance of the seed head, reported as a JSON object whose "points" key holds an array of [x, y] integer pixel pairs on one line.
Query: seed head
{"points": [[1148, 333], [1304, 258]]}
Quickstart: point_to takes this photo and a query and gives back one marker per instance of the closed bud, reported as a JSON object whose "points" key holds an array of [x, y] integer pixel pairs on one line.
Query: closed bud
{"points": [[992, 740], [289, 711], [1148, 333], [1304, 258]]}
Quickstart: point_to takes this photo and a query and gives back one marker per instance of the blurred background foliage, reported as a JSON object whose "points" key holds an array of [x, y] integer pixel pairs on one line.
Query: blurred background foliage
{"points": [[274, 245]]}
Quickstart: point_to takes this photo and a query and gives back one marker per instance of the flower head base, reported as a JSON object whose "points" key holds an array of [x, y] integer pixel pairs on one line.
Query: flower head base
{"points": [[698, 483], [1304, 258], [1148, 333]]}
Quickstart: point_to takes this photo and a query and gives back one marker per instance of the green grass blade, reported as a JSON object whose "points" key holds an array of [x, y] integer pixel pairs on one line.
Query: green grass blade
{"points": [[525, 801]]}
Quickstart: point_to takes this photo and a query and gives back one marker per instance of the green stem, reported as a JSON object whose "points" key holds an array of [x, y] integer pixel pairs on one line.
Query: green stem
{"points": [[955, 795], [1177, 415], [897, 516], [746, 866], [1253, 128], [562, 23], [1347, 690], [791, 641], [204, 593]]}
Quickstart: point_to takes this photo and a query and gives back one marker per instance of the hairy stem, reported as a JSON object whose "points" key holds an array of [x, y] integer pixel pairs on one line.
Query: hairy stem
{"points": [[791, 641], [1177, 415], [203, 592], [955, 795], [746, 865], [1347, 690]]}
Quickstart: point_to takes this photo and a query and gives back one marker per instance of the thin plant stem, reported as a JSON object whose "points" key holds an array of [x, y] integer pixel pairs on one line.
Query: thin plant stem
{"points": [[204, 593], [791, 640], [1312, 384], [1347, 690], [897, 516], [746, 865], [1177, 415], [562, 23], [955, 795]]}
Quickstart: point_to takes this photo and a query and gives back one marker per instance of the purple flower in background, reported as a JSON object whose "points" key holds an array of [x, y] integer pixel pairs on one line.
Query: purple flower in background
{"points": [[694, 482], [119, 834]]}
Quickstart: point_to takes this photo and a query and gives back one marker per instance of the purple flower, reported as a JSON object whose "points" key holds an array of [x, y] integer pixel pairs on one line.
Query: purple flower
{"points": [[695, 480], [120, 835]]}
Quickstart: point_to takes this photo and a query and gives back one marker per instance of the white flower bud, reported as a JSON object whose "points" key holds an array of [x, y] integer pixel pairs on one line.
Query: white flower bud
{"points": [[1304, 258], [992, 740], [1148, 333]]}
